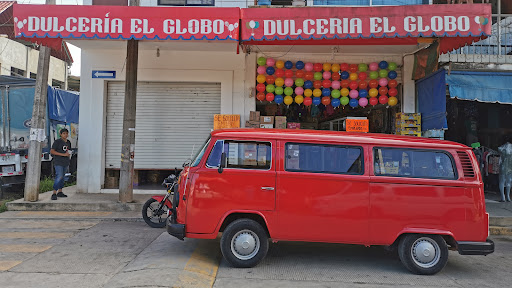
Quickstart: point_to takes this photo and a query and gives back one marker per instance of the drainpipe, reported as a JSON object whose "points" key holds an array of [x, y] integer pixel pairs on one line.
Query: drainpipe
{"points": [[8, 143], [26, 62], [3, 121], [499, 27]]}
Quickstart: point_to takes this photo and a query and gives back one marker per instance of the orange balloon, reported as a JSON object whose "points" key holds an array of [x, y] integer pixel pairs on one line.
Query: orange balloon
{"points": [[373, 92], [326, 100], [327, 67], [335, 68], [392, 101], [317, 92]]}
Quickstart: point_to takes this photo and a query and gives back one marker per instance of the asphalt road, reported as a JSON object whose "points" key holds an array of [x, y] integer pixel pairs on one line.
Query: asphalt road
{"points": [[72, 251]]}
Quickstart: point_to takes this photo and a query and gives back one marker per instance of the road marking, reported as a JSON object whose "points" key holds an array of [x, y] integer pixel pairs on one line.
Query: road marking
{"points": [[6, 265], [201, 269], [64, 213], [36, 235], [46, 224], [23, 248]]}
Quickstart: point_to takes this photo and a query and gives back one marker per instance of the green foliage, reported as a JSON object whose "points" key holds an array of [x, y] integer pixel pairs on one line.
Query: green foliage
{"points": [[46, 185], [3, 206]]}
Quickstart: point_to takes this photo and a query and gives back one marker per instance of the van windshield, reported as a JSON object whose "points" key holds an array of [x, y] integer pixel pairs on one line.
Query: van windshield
{"points": [[200, 153]]}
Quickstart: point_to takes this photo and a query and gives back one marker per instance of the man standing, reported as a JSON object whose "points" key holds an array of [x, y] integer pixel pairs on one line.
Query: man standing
{"points": [[61, 152]]}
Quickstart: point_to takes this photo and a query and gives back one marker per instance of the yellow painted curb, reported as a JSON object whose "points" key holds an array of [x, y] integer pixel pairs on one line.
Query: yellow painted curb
{"points": [[201, 269], [64, 213], [35, 235], [496, 230], [23, 248], [6, 265]]}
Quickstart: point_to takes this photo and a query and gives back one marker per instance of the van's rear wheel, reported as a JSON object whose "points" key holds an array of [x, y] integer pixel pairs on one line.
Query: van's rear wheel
{"points": [[244, 243], [423, 254]]}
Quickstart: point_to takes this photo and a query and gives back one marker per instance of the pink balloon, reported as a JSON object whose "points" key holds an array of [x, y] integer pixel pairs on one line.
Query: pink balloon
{"points": [[271, 62], [363, 102], [374, 66], [335, 84], [353, 94], [308, 66], [261, 70], [383, 82], [288, 82], [327, 75], [299, 90]]}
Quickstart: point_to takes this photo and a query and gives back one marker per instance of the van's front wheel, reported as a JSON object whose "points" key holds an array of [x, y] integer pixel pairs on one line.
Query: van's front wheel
{"points": [[423, 254], [244, 243]]}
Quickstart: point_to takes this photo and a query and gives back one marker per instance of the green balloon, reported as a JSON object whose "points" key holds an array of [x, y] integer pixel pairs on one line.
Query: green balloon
{"points": [[262, 61], [374, 75], [317, 76], [288, 91], [271, 88], [335, 93], [299, 82], [383, 73], [344, 100], [392, 66], [363, 67], [279, 90]]}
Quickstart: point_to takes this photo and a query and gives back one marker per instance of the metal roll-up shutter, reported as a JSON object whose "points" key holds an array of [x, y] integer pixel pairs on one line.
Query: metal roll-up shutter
{"points": [[172, 120]]}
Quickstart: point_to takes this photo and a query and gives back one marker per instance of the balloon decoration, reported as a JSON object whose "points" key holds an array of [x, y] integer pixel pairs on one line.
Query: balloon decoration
{"points": [[363, 102], [262, 61], [271, 88], [353, 103], [269, 97], [299, 90], [326, 100], [261, 78], [271, 70], [280, 64], [271, 62], [260, 96], [316, 101], [299, 99], [288, 65], [261, 70], [335, 102], [279, 91], [288, 100], [279, 82], [344, 101], [308, 101], [270, 79], [288, 73], [300, 74], [279, 72], [279, 99], [288, 91], [308, 92], [299, 65]]}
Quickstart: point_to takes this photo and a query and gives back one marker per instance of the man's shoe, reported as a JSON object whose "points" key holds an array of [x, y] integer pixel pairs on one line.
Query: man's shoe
{"points": [[54, 196], [60, 194]]}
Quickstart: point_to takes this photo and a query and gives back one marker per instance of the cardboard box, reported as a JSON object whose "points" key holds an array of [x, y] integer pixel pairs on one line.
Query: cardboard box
{"points": [[407, 123], [266, 126], [254, 116], [252, 124], [267, 120], [280, 122], [293, 125], [409, 116]]}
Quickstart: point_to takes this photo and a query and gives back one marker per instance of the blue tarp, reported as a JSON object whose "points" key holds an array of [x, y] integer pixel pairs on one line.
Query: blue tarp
{"points": [[63, 105], [481, 86], [432, 101]]}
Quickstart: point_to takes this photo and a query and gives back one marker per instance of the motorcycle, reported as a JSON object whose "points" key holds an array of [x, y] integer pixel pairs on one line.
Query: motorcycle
{"points": [[155, 210]]}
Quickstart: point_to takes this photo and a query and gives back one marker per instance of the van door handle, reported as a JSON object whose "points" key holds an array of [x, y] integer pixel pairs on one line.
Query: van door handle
{"points": [[267, 188]]}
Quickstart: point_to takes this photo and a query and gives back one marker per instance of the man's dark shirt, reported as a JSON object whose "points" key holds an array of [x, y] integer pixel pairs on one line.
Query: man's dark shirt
{"points": [[62, 147]]}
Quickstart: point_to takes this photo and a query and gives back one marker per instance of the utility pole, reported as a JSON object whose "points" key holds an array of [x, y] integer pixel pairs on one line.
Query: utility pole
{"points": [[38, 124], [130, 108]]}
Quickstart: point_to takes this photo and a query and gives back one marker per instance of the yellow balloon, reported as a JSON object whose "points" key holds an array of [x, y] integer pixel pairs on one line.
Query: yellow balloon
{"points": [[344, 92], [288, 100], [317, 92], [299, 99], [353, 76], [280, 64], [279, 82], [373, 92], [327, 67], [335, 68], [261, 78], [392, 101], [308, 92]]}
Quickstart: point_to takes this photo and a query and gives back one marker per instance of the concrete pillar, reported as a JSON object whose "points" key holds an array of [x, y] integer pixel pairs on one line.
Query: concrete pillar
{"points": [[409, 86]]}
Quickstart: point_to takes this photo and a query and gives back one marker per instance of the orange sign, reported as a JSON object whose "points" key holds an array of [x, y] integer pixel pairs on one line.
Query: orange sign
{"points": [[222, 121], [357, 125]]}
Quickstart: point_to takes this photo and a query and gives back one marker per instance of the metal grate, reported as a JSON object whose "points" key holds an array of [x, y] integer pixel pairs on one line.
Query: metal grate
{"points": [[467, 167]]}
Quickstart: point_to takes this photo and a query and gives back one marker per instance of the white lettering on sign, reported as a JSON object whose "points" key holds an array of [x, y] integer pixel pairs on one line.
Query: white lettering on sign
{"points": [[193, 26], [437, 24], [80, 24]]}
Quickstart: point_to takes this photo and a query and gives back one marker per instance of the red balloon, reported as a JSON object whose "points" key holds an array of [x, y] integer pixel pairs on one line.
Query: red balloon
{"points": [[383, 91], [326, 83], [261, 88], [299, 74], [270, 97], [270, 79], [308, 101], [326, 100], [279, 73], [392, 83], [373, 83], [318, 67], [288, 73], [335, 76], [363, 84], [260, 96], [363, 76], [353, 85], [373, 101], [309, 75], [344, 67], [344, 83], [383, 99], [353, 68], [392, 92], [317, 84]]}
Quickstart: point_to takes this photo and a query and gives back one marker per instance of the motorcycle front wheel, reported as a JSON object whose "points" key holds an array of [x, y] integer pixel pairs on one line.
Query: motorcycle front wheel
{"points": [[153, 216]]}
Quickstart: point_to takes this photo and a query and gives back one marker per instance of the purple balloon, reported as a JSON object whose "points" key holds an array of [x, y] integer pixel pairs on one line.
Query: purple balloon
{"points": [[308, 66], [326, 75], [262, 70], [299, 90], [271, 62], [383, 82], [353, 94], [363, 102], [288, 82], [374, 66], [336, 85]]}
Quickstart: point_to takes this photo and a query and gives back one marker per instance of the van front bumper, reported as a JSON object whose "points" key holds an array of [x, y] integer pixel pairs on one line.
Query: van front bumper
{"points": [[475, 248], [175, 229]]}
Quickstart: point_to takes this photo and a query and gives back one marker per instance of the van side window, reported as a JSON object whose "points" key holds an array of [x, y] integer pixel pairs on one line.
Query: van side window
{"points": [[413, 163], [324, 158], [241, 154]]}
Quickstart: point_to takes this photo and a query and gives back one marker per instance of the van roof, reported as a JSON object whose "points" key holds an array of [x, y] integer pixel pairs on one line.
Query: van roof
{"points": [[329, 136]]}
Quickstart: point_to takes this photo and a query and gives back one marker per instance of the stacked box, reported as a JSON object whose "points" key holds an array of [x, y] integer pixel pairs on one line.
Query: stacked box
{"points": [[252, 124], [280, 122], [408, 124], [254, 116], [267, 120], [293, 125]]}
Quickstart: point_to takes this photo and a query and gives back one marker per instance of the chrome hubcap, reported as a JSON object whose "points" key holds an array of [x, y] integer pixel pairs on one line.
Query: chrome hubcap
{"points": [[425, 252], [245, 244]]}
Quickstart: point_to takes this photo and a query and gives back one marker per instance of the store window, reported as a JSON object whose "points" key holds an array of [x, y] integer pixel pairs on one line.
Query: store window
{"points": [[200, 154], [17, 72], [186, 2], [413, 163], [302, 157], [241, 155], [370, 2]]}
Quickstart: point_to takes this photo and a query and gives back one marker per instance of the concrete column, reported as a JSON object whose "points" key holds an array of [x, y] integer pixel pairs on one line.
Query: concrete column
{"points": [[409, 86]]}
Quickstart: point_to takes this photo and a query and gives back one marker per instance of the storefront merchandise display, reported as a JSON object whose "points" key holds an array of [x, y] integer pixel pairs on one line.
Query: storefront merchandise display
{"points": [[505, 171]]}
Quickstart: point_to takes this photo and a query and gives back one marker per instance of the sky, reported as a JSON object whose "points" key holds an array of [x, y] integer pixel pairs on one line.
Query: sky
{"points": [[75, 51]]}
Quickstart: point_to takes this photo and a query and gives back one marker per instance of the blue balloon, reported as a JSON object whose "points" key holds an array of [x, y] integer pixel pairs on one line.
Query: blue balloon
{"points": [[392, 74], [353, 103], [299, 65], [383, 65], [363, 93], [279, 99], [308, 84], [316, 101], [326, 92], [344, 75], [335, 102], [288, 65], [271, 70]]}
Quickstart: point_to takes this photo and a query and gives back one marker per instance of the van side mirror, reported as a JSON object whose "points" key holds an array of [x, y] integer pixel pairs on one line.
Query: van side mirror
{"points": [[222, 162]]}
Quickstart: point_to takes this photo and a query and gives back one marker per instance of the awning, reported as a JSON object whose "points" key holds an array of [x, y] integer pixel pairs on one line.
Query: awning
{"points": [[126, 22], [456, 25], [432, 101], [491, 87]]}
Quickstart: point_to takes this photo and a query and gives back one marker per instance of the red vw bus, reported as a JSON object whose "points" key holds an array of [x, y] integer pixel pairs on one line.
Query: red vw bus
{"points": [[417, 195]]}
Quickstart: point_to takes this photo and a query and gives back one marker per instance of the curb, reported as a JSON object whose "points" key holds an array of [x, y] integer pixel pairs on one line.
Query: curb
{"points": [[495, 230], [96, 207]]}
